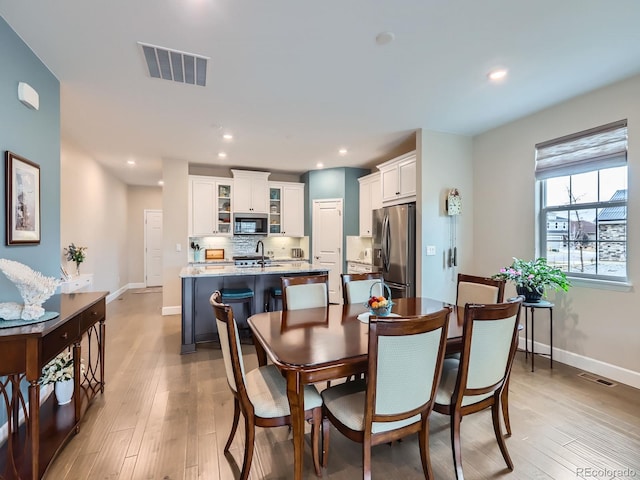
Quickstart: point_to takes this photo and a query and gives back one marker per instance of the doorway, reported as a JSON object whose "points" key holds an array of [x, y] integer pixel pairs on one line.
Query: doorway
{"points": [[153, 248], [327, 242]]}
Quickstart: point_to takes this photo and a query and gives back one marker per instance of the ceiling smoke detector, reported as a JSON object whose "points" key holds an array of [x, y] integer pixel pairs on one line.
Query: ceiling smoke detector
{"points": [[174, 65]]}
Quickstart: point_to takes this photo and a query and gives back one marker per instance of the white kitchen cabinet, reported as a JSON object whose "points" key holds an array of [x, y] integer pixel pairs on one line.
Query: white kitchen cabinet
{"points": [[286, 209], [251, 191], [82, 282], [398, 179], [210, 206], [370, 200]]}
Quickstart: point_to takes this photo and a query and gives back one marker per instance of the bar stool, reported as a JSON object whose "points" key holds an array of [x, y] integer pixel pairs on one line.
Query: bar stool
{"points": [[240, 295], [275, 294]]}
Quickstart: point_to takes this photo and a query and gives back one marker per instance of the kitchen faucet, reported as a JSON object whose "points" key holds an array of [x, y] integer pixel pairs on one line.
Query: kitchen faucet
{"points": [[258, 249]]}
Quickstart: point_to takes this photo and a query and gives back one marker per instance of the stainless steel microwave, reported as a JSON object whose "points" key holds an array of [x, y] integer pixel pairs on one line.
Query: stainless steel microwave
{"points": [[250, 224]]}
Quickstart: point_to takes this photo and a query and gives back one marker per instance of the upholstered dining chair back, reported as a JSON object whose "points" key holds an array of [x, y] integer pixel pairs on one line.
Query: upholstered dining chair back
{"points": [[356, 287], [305, 292], [229, 341], [473, 289], [404, 367]]}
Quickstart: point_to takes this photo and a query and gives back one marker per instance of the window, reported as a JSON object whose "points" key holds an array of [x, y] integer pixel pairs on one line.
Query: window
{"points": [[583, 210]]}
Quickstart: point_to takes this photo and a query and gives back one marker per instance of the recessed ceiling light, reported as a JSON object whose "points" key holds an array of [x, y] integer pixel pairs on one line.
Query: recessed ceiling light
{"points": [[131, 162], [342, 151], [497, 75], [319, 165], [161, 182], [227, 136], [385, 37], [222, 155]]}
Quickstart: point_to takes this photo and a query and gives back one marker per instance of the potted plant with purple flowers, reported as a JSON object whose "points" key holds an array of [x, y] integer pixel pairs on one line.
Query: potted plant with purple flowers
{"points": [[532, 277]]}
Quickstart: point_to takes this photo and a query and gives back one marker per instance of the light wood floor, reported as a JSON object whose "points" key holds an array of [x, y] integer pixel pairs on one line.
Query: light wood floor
{"points": [[167, 416]]}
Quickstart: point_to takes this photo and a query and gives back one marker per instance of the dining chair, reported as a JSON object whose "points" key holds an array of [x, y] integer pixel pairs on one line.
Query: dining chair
{"points": [[307, 291], [260, 394], [478, 290], [405, 360], [476, 381], [473, 289], [356, 287]]}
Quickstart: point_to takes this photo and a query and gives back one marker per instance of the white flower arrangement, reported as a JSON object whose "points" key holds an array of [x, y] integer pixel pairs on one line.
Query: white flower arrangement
{"points": [[59, 369]]}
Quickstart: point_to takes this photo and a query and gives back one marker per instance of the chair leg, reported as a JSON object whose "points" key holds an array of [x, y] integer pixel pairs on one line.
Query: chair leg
{"points": [[366, 458], [315, 439], [250, 433], [504, 400], [495, 414], [234, 425], [423, 436], [325, 441], [456, 418]]}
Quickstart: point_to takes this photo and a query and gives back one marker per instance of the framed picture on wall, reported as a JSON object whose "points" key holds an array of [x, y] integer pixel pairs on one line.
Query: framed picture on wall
{"points": [[23, 200]]}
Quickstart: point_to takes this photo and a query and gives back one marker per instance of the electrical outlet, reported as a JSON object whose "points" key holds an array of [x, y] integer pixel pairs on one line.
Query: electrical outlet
{"points": [[178, 247], [431, 250]]}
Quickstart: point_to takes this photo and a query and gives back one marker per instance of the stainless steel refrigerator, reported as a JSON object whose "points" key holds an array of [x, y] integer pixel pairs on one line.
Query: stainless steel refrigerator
{"points": [[394, 248]]}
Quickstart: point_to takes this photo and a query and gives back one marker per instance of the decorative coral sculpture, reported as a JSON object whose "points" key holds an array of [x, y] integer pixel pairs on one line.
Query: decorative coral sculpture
{"points": [[34, 288]]}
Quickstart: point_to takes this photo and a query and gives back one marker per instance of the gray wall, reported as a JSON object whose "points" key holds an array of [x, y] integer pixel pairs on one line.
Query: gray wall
{"points": [[35, 135]]}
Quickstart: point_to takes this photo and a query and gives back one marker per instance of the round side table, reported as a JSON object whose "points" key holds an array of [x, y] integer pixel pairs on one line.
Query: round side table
{"points": [[542, 304]]}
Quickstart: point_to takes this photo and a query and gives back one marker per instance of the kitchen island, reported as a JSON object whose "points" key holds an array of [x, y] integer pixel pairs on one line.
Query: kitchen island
{"points": [[199, 282]]}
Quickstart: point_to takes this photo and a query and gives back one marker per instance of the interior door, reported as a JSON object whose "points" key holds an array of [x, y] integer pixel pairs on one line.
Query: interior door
{"points": [[153, 247], [327, 242]]}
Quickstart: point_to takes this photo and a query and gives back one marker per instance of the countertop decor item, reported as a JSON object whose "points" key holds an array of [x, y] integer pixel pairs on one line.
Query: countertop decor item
{"points": [[34, 289], [531, 278], [75, 254], [379, 305]]}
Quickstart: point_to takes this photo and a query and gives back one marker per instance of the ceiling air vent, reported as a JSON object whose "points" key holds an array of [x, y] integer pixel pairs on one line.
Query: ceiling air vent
{"points": [[175, 65]]}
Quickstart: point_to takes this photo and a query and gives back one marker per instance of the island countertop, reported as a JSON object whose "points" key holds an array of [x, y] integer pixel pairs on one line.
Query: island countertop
{"points": [[232, 270]]}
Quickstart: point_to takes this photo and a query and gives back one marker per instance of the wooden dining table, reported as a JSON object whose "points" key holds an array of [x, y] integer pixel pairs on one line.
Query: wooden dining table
{"points": [[321, 344]]}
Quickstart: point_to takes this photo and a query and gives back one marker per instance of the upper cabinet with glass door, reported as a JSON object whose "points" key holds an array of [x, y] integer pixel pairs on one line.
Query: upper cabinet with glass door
{"points": [[286, 209], [210, 206], [275, 210]]}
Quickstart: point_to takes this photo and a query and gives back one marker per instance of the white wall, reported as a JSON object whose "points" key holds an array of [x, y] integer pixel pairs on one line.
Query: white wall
{"points": [[175, 193], [443, 162], [139, 199], [594, 328], [93, 214]]}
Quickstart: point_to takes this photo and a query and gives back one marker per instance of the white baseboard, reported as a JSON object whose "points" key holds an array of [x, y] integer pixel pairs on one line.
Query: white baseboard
{"points": [[137, 285], [112, 296], [613, 372], [174, 310]]}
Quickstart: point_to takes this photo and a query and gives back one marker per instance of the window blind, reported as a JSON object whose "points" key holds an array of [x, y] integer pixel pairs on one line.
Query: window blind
{"points": [[594, 149]]}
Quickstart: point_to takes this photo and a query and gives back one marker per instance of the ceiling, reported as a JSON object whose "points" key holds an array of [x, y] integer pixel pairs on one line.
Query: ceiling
{"points": [[294, 81]]}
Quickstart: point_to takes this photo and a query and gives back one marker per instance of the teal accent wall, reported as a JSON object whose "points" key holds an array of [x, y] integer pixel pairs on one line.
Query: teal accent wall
{"points": [[352, 200], [35, 135], [334, 183]]}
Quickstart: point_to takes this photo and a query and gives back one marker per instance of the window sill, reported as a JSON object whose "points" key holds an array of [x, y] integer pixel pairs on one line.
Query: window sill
{"points": [[601, 284]]}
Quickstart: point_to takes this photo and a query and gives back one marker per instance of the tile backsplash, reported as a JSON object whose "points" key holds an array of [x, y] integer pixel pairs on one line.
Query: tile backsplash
{"points": [[274, 247], [357, 249]]}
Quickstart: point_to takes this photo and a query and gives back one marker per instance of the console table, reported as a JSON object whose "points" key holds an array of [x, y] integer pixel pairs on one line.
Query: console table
{"points": [[31, 446]]}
